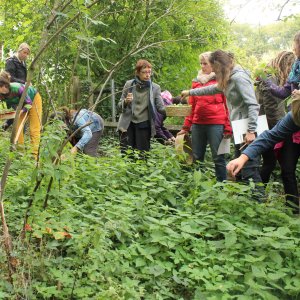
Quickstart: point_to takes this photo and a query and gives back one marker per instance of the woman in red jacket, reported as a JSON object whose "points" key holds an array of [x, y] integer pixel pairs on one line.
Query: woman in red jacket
{"points": [[209, 119]]}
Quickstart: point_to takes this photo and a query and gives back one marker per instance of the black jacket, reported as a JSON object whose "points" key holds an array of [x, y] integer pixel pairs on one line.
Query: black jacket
{"points": [[16, 69]]}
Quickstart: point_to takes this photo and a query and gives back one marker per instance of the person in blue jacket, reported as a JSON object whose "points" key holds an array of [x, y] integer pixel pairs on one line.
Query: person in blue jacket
{"points": [[91, 128], [282, 130]]}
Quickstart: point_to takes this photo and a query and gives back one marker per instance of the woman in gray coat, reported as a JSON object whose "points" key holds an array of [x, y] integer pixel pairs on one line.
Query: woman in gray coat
{"points": [[237, 86], [139, 103]]}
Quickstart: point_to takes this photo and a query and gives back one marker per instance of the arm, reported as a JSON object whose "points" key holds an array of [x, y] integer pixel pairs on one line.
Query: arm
{"points": [[86, 133], [158, 102], [281, 92], [27, 101], [282, 130], [227, 125], [124, 103], [245, 90]]}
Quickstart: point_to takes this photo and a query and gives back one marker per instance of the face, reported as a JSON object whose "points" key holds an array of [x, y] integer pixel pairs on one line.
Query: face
{"points": [[205, 66], [23, 54], [145, 74], [4, 90]]}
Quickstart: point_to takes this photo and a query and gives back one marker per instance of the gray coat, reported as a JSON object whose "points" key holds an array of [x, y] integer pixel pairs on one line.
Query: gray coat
{"points": [[240, 96], [154, 101]]}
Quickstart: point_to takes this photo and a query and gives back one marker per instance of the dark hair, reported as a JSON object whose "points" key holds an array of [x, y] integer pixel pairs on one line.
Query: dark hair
{"points": [[142, 64]]}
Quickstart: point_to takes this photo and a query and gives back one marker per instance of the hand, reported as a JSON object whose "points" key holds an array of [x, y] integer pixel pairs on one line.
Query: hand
{"points": [[295, 93], [74, 150], [234, 166], [249, 137], [182, 131], [185, 94], [227, 135], [129, 98]]}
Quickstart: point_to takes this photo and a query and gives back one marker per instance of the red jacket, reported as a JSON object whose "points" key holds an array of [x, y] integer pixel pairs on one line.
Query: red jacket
{"points": [[208, 109]]}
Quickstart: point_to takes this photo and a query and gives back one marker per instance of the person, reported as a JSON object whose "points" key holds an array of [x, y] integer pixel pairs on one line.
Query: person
{"points": [[11, 94], [236, 84], [16, 67], [139, 103], [209, 119], [289, 149], [89, 135], [281, 131], [162, 134], [272, 106]]}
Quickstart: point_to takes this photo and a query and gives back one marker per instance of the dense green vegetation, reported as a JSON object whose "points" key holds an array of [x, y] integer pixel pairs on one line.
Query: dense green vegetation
{"points": [[114, 228]]}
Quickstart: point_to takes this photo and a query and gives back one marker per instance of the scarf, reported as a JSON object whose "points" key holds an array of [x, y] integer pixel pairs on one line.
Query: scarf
{"points": [[294, 76], [145, 84], [204, 78]]}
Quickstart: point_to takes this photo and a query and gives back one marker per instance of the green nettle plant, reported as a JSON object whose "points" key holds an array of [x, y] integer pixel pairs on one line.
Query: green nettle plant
{"points": [[117, 227]]}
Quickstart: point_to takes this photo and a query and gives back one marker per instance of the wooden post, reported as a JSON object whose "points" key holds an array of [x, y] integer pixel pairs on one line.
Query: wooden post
{"points": [[113, 100]]}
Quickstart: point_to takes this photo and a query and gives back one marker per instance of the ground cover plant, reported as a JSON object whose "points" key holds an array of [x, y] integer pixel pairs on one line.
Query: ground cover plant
{"points": [[120, 228]]}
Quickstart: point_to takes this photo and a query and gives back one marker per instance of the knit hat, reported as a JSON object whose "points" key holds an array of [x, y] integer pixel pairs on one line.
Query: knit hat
{"points": [[24, 46], [167, 97]]}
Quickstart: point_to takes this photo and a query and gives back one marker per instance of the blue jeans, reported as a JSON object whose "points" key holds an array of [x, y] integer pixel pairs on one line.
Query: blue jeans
{"points": [[212, 135]]}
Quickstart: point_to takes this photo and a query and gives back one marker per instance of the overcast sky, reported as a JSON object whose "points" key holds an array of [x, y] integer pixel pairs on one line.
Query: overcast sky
{"points": [[258, 11]]}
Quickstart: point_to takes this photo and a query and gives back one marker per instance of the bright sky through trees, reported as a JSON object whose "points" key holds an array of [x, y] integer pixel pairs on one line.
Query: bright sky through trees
{"points": [[259, 12]]}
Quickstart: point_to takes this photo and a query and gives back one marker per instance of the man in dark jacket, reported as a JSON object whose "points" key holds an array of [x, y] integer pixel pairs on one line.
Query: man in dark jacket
{"points": [[16, 67]]}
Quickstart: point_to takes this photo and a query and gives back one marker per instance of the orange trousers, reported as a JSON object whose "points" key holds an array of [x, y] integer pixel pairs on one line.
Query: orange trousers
{"points": [[35, 125]]}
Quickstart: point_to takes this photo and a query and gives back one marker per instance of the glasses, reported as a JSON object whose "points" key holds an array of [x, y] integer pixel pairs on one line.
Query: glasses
{"points": [[146, 72]]}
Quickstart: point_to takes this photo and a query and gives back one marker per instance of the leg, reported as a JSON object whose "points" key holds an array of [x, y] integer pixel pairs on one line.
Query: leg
{"points": [[131, 135], [268, 165], [199, 141], [289, 156], [143, 136], [215, 136], [35, 119], [251, 172], [91, 147]]}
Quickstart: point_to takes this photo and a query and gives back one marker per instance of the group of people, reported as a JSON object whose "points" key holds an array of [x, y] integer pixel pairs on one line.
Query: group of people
{"points": [[222, 92], [12, 85]]}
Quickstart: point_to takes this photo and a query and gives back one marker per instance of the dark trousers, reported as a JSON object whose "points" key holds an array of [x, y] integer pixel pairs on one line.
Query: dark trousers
{"points": [[139, 138], [289, 156], [251, 171], [92, 146], [268, 165]]}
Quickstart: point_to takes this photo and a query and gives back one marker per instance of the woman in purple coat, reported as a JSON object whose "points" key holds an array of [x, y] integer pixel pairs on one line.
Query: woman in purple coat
{"points": [[163, 135]]}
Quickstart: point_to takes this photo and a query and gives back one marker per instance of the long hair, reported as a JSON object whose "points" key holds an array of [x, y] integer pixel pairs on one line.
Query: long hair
{"points": [[222, 64], [282, 64]]}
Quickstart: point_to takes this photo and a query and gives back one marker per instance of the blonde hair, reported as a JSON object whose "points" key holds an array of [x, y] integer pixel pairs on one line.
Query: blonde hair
{"points": [[24, 46], [205, 55], [222, 63]]}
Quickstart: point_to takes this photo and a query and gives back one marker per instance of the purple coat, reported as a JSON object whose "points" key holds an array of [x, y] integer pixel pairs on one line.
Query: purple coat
{"points": [[161, 131]]}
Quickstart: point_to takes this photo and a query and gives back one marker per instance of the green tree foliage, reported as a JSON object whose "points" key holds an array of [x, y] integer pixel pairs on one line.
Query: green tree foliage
{"points": [[114, 34]]}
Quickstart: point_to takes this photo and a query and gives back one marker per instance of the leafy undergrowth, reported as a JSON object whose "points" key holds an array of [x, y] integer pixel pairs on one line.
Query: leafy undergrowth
{"points": [[120, 228]]}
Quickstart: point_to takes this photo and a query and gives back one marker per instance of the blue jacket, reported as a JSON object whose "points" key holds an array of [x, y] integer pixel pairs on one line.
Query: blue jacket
{"points": [[281, 131], [84, 116]]}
